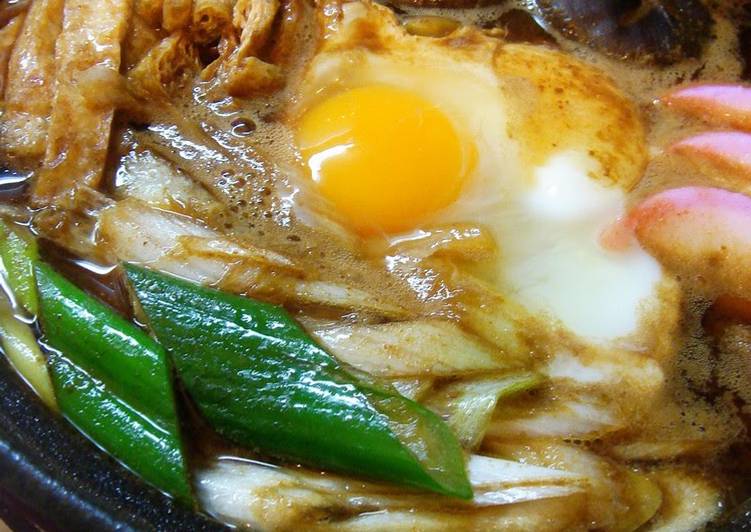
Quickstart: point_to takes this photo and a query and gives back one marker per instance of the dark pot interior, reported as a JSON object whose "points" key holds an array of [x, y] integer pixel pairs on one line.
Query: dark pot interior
{"points": [[54, 479]]}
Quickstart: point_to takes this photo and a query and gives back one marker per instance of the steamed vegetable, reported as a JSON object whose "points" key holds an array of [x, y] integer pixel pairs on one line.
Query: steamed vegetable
{"points": [[113, 382], [618, 498], [644, 497], [275, 497], [581, 416], [18, 252], [262, 382], [21, 348], [413, 389], [424, 347], [689, 500], [468, 405], [134, 231], [19, 343]]}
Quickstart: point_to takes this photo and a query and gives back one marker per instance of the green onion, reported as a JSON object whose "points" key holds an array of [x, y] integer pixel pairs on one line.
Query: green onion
{"points": [[113, 382], [21, 347], [18, 253], [263, 383], [468, 405]]}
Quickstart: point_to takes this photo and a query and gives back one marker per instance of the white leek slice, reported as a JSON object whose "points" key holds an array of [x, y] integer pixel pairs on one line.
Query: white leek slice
{"points": [[427, 347], [246, 492], [553, 514], [467, 405], [136, 232], [414, 389], [690, 501], [582, 418], [149, 178]]}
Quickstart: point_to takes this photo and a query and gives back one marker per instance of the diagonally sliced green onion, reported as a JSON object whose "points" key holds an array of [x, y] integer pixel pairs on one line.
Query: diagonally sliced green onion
{"points": [[262, 382], [18, 253], [21, 347], [113, 382], [138, 440]]}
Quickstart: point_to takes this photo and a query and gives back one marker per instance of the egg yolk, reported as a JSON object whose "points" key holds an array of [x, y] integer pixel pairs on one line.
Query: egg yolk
{"points": [[385, 157]]}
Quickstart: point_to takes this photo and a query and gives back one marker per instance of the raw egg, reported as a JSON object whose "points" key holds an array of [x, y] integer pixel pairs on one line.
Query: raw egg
{"points": [[400, 133], [385, 157]]}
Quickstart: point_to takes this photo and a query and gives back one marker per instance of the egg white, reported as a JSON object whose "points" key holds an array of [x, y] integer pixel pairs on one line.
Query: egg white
{"points": [[552, 261], [546, 217]]}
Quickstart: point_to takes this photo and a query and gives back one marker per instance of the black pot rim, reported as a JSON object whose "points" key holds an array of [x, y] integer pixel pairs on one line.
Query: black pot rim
{"points": [[52, 478]]}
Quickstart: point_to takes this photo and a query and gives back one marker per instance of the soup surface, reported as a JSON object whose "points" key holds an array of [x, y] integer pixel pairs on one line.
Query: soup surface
{"points": [[409, 266]]}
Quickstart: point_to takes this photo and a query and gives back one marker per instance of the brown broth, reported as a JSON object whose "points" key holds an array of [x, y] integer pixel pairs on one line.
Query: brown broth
{"points": [[13, 186], [708, 381], [711, 375]]}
